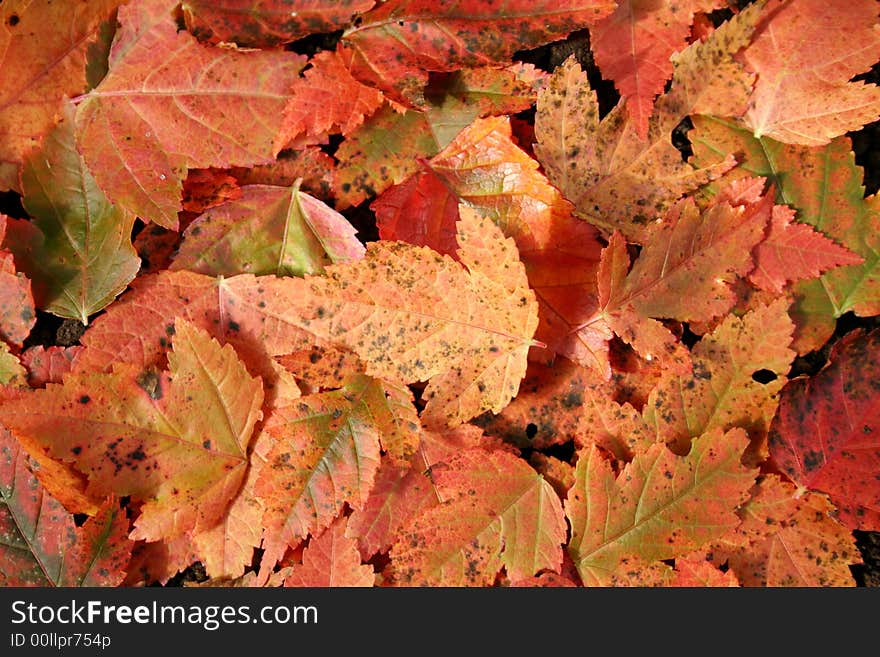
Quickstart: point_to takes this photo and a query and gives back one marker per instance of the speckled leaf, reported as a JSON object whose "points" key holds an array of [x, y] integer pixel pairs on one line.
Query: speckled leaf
{"points": [[169, 103], [824, 186], [39, 65], [721, 392], [659, 507], [382, 152], [788, 537], [267, 23], [497, 513], [800, 98], [59, 479], [411, 315], [616, 179], [42, 546], [268, 230], [324, 456], [634, 48], [17, 310], [388, 147], [77, 248], [177, 442], [484, 169], [394, 46], [331, 559], [321, 367], [825, 433], [325, 100]]}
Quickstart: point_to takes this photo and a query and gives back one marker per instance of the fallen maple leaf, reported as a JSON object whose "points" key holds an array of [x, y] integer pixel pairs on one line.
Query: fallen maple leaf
{"points": [[325, 454], [388, 147], [42, 546], [683, 272], [496, 512], [803, 99], [634, 47], [154, 116], [721, 392], [824, 186], [39, 66], [178, 443], [616, 179], [267, 230], [824, 435], [484, 169], [325, 100], [659, 507], [77, 248], [411, 314], [788, 538]]}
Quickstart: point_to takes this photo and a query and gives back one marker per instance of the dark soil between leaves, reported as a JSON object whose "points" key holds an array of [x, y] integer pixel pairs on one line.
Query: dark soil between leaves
{"points": [[51, 330]]}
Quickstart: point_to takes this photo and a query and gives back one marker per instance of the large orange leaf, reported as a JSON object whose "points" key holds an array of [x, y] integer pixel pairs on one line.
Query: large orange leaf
{"points": [[803, 99], [484, 169], [825, 434], [788, 538], [77, 248], [177, 442], [824, 186], [331, 559], [616, 179], [410, 314], [267, 230], [395, 45], [39, 65], [266, 23], [497, 512], [659, 507], [42, 546], [169, 103], [634, 48]]}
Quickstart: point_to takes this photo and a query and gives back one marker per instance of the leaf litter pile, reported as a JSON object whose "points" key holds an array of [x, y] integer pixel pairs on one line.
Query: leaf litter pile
{"points": [[366, 297]]}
